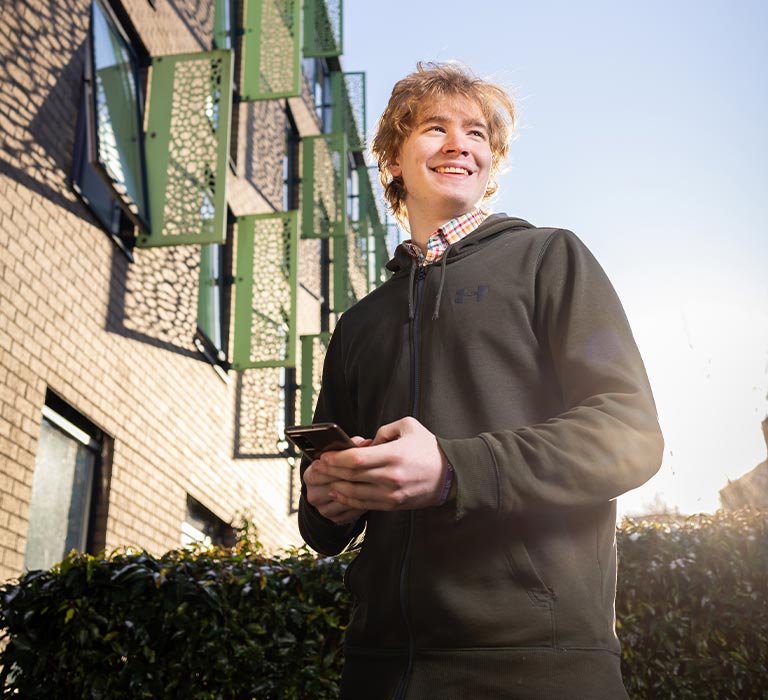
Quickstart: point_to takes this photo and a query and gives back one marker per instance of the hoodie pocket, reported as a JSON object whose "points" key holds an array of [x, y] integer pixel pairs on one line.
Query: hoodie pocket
{"points": [[525, 573]]}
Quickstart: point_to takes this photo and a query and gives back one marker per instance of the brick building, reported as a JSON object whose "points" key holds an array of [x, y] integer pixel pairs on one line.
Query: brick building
{"points": [[185, 209]]}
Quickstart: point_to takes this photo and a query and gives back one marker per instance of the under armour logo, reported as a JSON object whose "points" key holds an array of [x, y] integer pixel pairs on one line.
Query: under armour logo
{"points": [[479, 294]]}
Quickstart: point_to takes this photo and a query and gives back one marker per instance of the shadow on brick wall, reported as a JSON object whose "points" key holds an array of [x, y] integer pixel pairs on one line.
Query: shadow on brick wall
{"points": [[154, 299], [197, 17], [41, 75], [258, 429], [258, 433]]}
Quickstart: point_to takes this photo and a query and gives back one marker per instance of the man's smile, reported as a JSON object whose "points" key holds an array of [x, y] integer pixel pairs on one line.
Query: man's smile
{"points": [[452, 169]]}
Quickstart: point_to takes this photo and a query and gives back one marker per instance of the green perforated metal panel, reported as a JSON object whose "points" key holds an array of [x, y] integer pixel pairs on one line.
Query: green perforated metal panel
{"points": [[350, 270], [187, 146], [266, 287], [313, 348], [341, 296], [381, 254], [348, 95], [371, 228], [271, 60], [323, 28], [324, 186]]}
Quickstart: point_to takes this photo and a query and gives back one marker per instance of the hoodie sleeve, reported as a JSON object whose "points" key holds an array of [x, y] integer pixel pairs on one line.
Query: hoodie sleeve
{"points": [[606, 440], [323, 535]]}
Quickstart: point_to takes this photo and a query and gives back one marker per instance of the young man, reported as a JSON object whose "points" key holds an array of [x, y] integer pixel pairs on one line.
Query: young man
{"points": [[500, 406]]}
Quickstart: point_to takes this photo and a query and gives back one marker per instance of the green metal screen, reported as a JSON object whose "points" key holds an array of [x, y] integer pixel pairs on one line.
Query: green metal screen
{"points": [[271, 60], [371, 228], [350, 270], [187, 146], [348, 95], [266, 288], [323, 28], [324, 186], [313, 348]]}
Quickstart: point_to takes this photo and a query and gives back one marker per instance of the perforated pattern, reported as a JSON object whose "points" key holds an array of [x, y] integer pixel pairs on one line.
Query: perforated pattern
{"points": [[323, 191], [357, 264], [194, 125], [354, 110], [309, 266], [275, 72], [323, 35], [271, 291], [257, 431], [159, 303], [187, 147], [265, 301], [313, 349]]}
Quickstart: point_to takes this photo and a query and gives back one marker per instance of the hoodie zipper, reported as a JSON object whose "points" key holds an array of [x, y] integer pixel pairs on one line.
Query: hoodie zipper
{"points": [[421, 275]]}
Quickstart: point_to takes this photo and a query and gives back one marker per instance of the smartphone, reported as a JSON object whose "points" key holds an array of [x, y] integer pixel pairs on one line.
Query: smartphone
{"points": [[313, 440]]}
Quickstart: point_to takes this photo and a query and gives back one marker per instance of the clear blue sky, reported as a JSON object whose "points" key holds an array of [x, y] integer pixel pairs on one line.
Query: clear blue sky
{"points": [[643, 127]]}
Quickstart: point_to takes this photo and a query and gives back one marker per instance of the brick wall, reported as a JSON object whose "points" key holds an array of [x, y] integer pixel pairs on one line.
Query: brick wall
{"points": [[113, 338]]}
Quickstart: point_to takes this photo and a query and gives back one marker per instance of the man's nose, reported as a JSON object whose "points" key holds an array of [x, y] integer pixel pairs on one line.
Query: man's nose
{"points": [[456, 143]]}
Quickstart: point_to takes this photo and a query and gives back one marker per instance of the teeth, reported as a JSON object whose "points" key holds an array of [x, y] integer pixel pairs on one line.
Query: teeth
{"points": [[460, 171]]}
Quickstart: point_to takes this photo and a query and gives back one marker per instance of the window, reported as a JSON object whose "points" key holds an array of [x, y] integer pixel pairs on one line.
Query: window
{"points": [[213, 305], [291, 177], [70, 487], [109, 167], [202, 526], [223, 24], [318, 76], [213, 302]]}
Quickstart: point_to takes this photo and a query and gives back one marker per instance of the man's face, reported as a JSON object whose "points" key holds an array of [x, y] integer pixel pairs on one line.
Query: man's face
{"points": [[445, 161]]}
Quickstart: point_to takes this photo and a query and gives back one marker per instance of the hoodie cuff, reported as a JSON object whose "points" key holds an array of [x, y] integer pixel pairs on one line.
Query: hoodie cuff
{"points": [[475, 473]]}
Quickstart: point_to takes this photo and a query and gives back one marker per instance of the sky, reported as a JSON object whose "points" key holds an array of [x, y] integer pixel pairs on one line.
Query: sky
{"points": [[643, 128]]}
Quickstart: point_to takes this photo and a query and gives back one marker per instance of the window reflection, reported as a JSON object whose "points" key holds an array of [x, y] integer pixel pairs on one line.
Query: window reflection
{"points": [[116, 94]]}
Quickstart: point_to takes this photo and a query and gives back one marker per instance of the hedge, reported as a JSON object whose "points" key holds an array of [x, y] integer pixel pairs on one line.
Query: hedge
{"points": [[191, 624], [692, 607], [235, 624]]}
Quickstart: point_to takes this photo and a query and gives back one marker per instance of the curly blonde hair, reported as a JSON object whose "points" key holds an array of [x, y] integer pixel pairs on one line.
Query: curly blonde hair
{"points": [[431, 81]]}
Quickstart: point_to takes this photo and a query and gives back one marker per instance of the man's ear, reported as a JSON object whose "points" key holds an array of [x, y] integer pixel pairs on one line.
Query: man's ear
{"points": [[394, 169]]}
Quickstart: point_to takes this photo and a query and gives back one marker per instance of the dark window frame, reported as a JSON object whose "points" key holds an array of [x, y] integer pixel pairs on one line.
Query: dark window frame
{"points": [[217, 354], [63, 417], [89, 178], [220, 532]]}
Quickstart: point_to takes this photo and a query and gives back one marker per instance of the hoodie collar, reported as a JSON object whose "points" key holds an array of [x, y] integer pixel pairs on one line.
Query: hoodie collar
{"points": [[494, 225]]}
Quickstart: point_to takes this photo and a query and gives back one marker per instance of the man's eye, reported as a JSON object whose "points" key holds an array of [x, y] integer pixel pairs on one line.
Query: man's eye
{"points": [[481, 134], [436, 127]]}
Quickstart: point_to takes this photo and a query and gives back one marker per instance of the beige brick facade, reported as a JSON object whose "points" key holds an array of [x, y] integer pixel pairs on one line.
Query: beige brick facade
{"points": [[113, 338]]}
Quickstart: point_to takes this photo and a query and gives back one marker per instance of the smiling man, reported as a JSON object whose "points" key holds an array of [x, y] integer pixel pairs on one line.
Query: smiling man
{"points": [[499, 406]]}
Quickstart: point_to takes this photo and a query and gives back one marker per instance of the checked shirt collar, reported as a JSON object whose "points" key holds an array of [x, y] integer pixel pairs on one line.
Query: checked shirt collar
{"points": [[448, 234]]}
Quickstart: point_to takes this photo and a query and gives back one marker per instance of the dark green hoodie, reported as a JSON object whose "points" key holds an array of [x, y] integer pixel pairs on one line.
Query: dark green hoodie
{"points": [[515, 352]]}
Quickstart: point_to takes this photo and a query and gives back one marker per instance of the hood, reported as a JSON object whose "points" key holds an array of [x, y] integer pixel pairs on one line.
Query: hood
{"points": [[493, 226]]}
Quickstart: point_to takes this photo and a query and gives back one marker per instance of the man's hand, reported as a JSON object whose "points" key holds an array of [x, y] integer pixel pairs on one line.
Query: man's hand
{"points": [[403, 468], [318, 488]]}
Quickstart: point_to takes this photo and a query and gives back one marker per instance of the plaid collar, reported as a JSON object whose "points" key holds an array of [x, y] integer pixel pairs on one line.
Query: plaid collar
{"points": [[448, 234]]}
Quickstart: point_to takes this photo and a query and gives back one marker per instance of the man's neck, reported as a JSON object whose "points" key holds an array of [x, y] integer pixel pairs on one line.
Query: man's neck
{"points": [[423, 227]]}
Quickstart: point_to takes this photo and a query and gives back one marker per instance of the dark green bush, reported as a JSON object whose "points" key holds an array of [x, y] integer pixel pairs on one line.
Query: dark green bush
{"points": [[233, 624], [191, 625], [692, 607]]}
